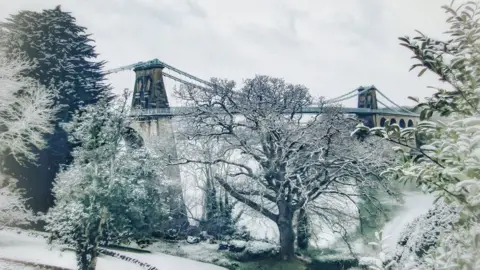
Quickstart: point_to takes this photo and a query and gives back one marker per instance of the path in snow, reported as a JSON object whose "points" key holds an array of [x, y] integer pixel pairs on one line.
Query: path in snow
{"points": [[416, 204], [36, 250]]}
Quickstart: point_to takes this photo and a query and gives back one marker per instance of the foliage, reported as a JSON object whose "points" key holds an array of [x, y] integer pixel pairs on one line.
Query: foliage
{"points": [[62, 57], [447, 161], [111, 193], [280, 161], [220, 223]]}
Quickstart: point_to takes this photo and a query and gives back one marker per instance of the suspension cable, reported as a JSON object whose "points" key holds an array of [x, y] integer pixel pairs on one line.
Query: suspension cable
{"points": [[339, 97], [394, 102]]}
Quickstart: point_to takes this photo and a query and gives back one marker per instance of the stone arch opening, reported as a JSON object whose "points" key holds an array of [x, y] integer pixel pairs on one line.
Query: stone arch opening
{"points": [[410, 123], [393, 121], [382, 121], [402, 123]]}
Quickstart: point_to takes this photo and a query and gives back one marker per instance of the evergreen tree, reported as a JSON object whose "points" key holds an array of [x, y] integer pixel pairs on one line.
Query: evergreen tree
{"points": [[218, 217], [110, 193], [63, 58], [210, 204]]}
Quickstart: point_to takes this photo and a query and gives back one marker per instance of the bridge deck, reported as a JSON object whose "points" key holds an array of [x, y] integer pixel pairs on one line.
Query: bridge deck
{"points": [[178, 111]]}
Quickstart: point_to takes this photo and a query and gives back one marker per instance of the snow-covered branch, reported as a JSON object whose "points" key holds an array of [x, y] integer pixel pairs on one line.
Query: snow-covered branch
{"points": [[26, 110]]}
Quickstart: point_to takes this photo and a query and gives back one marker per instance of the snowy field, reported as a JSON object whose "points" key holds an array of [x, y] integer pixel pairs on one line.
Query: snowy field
{"points": [[21, 247]]}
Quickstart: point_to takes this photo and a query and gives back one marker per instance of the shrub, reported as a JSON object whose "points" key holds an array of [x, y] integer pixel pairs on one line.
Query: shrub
{"points": [[333, 262]]}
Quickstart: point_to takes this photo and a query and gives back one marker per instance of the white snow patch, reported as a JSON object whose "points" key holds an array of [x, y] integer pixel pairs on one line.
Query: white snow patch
{"points": [[31, 249], [200, 252], [258, 247], [169, 262], [238, 243]]}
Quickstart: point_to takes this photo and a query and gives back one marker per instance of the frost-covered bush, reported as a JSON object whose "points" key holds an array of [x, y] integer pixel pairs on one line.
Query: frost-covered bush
{"points": [[13, 210], [110, 193], [334, 262], [378, 259], [445, 156], [422, 234], [237, 245], [259, 249], [252, 250]]}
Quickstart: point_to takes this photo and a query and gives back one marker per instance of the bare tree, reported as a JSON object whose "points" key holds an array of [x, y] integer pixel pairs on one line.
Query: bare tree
{"points": [[282, 159], [26, 113], [26, 110]]}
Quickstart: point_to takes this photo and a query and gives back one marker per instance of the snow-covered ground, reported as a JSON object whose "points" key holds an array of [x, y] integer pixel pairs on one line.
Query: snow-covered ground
{"points": [[21, 247], [416, 204], [7, 265]]}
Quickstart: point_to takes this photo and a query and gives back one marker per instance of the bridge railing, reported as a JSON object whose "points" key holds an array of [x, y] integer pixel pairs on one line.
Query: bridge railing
{"points": [[178, 111]]}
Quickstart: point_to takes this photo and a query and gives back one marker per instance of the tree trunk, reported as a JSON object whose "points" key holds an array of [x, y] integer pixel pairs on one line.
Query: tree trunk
{"points": [[86, 254], [303, 230], [285, 228]]}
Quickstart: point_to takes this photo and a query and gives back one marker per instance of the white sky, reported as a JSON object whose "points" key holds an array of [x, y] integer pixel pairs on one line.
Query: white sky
{"points": [[331, 46]]}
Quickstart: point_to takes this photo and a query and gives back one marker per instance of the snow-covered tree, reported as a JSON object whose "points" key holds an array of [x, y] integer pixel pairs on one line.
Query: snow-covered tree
{"points": [[13, 210], [26, 114], [218, 218], [111, 193], [212, 208], [63, 57], [281, 160], [421, 235], [446, 162], [26, 110]]}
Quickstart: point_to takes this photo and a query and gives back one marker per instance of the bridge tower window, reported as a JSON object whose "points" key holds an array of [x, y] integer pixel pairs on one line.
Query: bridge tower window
{"points": [[382, 121], [410, 123], [393, 121], [402, 123]]}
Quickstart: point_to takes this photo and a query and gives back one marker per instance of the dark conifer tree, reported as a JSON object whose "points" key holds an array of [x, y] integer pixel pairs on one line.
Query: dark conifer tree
{"points": [[63, 57]]}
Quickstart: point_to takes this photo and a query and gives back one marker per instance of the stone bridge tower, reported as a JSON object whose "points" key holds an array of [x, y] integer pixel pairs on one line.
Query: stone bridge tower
{"points": [[367, 99], [157, 132]]}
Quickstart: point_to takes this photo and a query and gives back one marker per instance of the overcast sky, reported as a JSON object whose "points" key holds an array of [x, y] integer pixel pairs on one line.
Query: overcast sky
{"points": [[330, 46]]}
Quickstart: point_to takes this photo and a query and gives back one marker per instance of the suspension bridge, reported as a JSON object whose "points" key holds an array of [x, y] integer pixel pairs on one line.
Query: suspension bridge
{"points": [[150, 96], [154, 124]]}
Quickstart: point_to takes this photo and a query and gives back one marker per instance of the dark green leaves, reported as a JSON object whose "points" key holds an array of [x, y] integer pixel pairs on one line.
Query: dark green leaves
{"points": [[422, 71]]}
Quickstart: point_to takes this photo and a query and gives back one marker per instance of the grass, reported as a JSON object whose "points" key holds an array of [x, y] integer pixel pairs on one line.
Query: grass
{"points": [[273, 263]]}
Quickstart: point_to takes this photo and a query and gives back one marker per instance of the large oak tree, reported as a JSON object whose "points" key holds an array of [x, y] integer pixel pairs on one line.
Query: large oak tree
{"points": [[281, 160]]}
